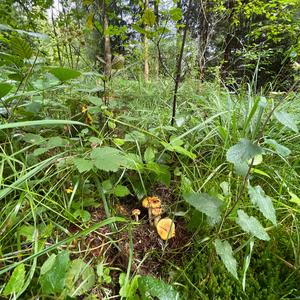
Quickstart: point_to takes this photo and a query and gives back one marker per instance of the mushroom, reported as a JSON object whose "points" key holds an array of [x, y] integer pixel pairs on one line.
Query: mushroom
{"points": [[166, 229], [156, 213], [151, 203], [136, 212]]}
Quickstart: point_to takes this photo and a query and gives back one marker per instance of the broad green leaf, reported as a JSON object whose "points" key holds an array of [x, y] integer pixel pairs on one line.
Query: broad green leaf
{"points": [[53, 281], [128, 288], [107, 158], [287, 120], [83, 165], [242, 152], [263, 202], [83, 214], [56, 141], [149, 154], [48, 264], [27, 231], [20, 47], [279, 149], [139, 29], [135, 136], [121, 191], [176, 14], [133, 161], [149, 17], [224, 250], [80, 278], [207, 204], [64, 74], [153, 287], [4, 89], [16, 281], [252, 226]]}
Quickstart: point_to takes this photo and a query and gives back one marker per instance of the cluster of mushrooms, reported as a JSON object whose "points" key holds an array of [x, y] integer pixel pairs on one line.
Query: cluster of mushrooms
{"points": [[165, 227]]}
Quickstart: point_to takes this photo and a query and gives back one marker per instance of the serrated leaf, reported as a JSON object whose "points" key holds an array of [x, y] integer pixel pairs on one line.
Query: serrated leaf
{"points": [[287, 120], [149, 17], [263, 202], [4, 89], [121, 191], [252, 225], [279, 149], [224, 250], [107, 158], [20, 47], [83, 165], [80, 278], [64, 74], [53, 281], [149, 154], [16, 281], [149, 285], [242, 152], [207, 204]]}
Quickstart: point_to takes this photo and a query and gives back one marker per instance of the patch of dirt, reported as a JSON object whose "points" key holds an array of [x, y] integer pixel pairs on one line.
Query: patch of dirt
{"points": [[150, 253]]}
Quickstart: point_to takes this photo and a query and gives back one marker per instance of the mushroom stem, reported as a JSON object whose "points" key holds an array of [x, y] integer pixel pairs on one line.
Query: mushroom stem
{"points": [[156, 220], [136, 218], [150, 216]]}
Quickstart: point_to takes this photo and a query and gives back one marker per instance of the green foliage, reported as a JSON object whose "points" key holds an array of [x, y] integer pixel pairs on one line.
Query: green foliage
{"points": [[53, 273], [152, 287], [207, 204], [287, 120], [252, 226], [64, 74], [224, 250], [107, 159], [16, 281], [263, 202]]}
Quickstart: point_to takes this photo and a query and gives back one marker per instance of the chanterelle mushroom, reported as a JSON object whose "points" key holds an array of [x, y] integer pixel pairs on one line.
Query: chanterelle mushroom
{"points": [[151, 203], [166, 229], [156, 213], [136, 212]]}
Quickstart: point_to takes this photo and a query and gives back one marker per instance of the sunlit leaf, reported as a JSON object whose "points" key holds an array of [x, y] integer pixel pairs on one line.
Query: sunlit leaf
{"points": [[287, 120], [107, 158], [64, 74], [153, 287], [263, 202], [252, 226], [16, 281], [224, 250], [83, 165]]}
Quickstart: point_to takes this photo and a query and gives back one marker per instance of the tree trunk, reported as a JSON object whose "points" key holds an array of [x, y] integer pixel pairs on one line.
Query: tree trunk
{"points": [[203, 40], [146, 48], [156, 12], [107, 46]]}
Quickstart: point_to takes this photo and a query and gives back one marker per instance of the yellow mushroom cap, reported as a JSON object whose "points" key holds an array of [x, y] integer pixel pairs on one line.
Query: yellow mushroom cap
{"points": [[136, 212], [156, 211], [151, 202], [166, 229]]}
